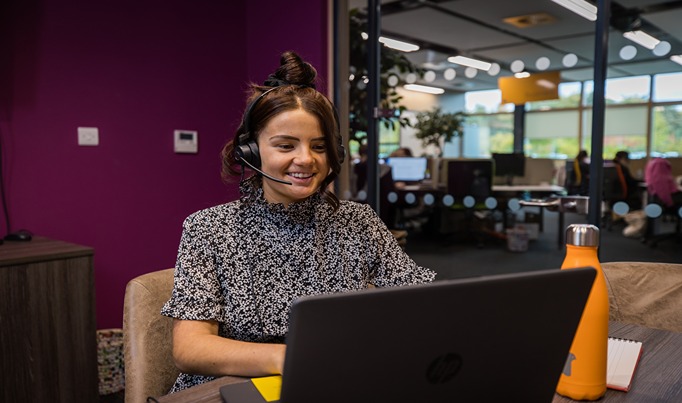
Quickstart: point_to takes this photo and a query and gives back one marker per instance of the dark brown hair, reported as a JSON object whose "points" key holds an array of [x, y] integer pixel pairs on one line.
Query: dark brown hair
{"points": [[295, 82]]}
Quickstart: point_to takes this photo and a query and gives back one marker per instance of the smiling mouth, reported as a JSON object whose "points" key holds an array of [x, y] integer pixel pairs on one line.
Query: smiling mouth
{"points": [[300, 175]]}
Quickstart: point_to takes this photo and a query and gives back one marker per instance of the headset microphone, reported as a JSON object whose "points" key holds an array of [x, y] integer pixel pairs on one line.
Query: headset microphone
{"points": [[272, 178]]}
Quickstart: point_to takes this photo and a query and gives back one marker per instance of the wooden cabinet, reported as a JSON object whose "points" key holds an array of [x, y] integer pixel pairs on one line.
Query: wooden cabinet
{"points": [[48, 348]]}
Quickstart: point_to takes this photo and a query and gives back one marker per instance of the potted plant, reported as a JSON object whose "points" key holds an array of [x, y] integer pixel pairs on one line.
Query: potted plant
{"points": [[436, 128]]}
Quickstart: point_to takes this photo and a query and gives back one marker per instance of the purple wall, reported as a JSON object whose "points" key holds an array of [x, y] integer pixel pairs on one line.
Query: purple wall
{"points": [[137, 71]]}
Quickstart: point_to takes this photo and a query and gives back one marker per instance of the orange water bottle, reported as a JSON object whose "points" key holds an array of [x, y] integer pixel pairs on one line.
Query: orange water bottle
{"points": [[584, 375]]}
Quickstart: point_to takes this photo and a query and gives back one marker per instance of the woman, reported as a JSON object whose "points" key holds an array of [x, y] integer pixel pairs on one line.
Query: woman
{"points": [[661, 183], [578, 181], [241, 264]]}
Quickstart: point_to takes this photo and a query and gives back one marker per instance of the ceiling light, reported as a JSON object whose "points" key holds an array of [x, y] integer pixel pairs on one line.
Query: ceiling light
{"points": [[677, 59], [394, 43], [580, 7], [523, 74], [423, 88], [642, 38], [466, 61], [398, 45]]}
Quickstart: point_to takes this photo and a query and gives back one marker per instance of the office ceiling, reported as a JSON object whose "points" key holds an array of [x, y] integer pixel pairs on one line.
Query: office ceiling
{"points": [[477, 29]]}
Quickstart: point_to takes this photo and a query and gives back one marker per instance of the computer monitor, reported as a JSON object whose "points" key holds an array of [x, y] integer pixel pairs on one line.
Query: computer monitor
{"points": [[407, 169], [509, 165]]}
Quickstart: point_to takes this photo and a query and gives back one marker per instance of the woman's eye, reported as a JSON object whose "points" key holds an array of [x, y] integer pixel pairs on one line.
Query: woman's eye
{"points": [[284, 146], [320, 148]]}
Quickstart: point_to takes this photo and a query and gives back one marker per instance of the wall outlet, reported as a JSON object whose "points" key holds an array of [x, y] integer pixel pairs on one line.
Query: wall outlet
{"points": [[88, 136]]}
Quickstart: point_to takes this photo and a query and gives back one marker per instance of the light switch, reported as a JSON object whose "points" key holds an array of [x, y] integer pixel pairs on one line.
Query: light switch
{"points": [[88, 136], [186, 141]]}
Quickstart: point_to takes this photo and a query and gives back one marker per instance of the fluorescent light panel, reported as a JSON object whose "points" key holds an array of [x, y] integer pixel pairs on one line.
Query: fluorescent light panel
{"points": [[424, 88], [394, 43], [469, 62], [642, 38], [580, 7], [677, 59], [398, 45]]}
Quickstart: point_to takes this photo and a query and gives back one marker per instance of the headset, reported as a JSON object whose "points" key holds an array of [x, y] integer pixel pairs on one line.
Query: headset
{"points": [[246, 148]]}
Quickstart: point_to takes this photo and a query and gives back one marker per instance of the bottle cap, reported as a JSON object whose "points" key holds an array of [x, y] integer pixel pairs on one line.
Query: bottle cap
{"points": [[582, 235]]}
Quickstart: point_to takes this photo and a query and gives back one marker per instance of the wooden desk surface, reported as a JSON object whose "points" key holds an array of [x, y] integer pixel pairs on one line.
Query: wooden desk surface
{"points": [[528, 188], [658, 377]]}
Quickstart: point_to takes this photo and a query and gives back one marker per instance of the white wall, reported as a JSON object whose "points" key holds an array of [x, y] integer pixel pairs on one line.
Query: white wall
{"points": [[417, 102]]}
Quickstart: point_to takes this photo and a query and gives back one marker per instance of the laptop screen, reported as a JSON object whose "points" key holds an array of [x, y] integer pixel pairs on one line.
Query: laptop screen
{"points": [[407, 169]]}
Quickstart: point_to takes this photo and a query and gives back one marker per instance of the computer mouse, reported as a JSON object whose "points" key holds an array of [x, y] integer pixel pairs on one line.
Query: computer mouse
{"points": [[21, 235]]}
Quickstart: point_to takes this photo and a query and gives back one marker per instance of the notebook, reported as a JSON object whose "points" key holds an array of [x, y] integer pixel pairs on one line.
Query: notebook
{"points": [[493, 338], [623, 357]]}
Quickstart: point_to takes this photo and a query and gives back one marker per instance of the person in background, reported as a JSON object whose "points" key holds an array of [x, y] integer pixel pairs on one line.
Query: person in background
{"points": [[579, 177], [401, 152], [240, 265], [661, 182], [628, 184]]}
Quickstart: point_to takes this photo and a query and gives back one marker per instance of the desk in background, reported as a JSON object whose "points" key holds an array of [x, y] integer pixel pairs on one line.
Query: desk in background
{"points": [[657, 377], [540, 190], [47, 322], [504, 193]]}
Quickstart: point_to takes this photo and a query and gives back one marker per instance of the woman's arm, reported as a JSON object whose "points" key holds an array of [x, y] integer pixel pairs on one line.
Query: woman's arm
{"points": [[197, 349]]}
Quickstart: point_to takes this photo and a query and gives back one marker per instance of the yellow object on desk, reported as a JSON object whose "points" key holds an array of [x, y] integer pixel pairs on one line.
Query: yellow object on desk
{"points": [[269, 387]]}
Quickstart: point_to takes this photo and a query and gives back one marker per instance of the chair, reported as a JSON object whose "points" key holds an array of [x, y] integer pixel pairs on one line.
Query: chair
{"points": [[149, 366], [652, 237], [614, 190], [646, 294]]}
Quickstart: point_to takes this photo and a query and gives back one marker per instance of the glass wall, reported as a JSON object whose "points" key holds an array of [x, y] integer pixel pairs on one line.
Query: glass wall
{"points": [[642, 113]]}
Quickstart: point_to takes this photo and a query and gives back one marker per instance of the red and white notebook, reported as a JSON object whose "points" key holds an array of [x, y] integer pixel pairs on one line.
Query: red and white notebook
{"points": [[623, 356]]}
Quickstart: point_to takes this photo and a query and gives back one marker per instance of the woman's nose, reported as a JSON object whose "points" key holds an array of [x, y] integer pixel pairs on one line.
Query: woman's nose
{"points": [[304, 156]]}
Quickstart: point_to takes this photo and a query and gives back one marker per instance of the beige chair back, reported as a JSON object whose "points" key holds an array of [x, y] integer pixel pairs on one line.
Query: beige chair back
{"points": [[147, 344], [645, 293]]}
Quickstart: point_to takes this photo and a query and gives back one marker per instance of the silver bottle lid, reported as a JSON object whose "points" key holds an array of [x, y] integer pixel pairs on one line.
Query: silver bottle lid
{"points": [[582, 235]]}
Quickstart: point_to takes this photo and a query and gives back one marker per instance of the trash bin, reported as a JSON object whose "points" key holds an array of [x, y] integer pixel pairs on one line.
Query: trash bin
{"points": [[517, 239], [110, 361]]}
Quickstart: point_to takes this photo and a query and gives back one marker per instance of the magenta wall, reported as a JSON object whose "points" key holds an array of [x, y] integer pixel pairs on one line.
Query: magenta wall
{"points": [[137, 71]]}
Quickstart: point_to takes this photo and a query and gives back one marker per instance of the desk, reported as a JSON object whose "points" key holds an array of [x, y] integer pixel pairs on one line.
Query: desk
{"points": [[657, 377], [505, 192], [562, 204], [533, 189], [48, 346]]}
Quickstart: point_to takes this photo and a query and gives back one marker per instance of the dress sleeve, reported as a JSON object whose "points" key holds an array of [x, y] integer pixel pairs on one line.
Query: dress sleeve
{"points": [[196, 292], [390, 265]]}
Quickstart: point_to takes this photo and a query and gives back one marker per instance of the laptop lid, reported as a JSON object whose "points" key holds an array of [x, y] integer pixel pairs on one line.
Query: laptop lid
{"points": [[493, 338]]}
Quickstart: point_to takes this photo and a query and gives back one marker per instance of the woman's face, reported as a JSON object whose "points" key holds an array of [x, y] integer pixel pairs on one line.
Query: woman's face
{"points": [[292, 148]]}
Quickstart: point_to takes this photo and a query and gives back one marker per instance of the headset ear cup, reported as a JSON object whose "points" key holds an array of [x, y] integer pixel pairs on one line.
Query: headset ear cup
{"points": [[341, 150], [249, 152]]}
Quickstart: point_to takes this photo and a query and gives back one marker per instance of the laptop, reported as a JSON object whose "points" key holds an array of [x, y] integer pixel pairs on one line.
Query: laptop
{"points": [[484, 339]]}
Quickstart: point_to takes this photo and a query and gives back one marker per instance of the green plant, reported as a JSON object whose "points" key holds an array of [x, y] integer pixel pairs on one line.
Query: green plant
{"points": [[392, 62], [436, 127]]}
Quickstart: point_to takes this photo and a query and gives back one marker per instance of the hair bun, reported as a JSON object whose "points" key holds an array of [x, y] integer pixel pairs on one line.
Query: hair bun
{"points": [[292, 70]]}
